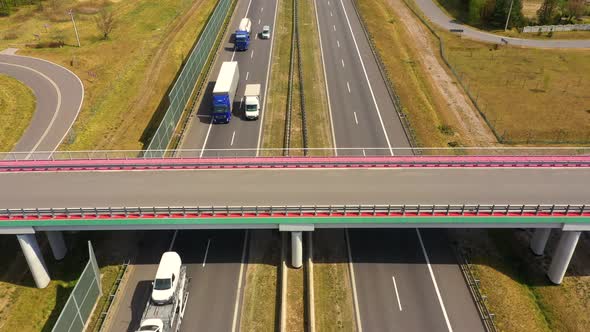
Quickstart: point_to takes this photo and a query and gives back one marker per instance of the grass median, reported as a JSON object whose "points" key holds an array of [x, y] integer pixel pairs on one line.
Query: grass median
{"points": [[17, 105], [125, 76]]}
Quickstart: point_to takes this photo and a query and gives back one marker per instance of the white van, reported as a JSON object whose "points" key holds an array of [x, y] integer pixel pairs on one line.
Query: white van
{"points": [[167, 276]]}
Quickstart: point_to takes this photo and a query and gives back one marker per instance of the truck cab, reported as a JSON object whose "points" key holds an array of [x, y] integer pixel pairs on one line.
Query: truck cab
{"points": [[242, 37], [166, 281]]}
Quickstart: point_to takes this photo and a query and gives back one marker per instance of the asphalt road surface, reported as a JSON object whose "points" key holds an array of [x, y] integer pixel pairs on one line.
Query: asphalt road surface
{"points": [[416, 294], [295, 187], [363, 115], [440, 18], [59, 94], [253, 65]]}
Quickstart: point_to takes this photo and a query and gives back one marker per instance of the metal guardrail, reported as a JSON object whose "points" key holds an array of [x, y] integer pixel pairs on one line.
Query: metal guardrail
{"points": [[492, 210], [487, 318], [111, 298]]}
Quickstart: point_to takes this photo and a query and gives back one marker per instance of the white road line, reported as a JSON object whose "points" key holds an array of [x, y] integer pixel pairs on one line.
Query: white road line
{"points": [[247, 74], [342, 62], [256, 36], [232, 138], [58, 106], [442, 305], [266, 84], [331, 14], [206, 252], [261, 9], [367, 78], [237, 304], [399, 303], [359, 326], [252, 54], [338, 42], [173, 240], [334, 27], [328, 3], [364, 154], [258, 21], [355, 118], [348, 86], [325, 77]]}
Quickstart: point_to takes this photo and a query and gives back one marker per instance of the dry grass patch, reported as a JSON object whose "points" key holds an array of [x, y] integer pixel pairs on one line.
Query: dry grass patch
{"points": [[17, 105], [296, 315]]}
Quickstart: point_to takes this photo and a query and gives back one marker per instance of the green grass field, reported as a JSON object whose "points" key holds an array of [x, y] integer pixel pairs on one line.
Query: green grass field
{"points": [[125, 77], [17, 105]]}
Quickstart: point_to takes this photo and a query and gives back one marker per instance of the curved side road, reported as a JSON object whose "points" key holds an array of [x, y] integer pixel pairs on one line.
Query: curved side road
{"points": [[59, 94], [440, 18]]}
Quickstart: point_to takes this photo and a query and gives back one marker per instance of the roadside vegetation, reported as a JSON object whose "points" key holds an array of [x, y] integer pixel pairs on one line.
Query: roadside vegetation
{"points": [[23, 307], [261, 306], [296, 320], [332, 285], [518, 291], [17, 105], [126, 74]]}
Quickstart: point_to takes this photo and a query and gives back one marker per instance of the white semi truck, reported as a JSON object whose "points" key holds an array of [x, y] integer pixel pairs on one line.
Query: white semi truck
{"points": [[252, 101], [165, 308]]}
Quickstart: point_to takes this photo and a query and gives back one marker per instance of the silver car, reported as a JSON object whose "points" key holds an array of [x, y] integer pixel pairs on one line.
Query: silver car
{"points": [[265, 32]]}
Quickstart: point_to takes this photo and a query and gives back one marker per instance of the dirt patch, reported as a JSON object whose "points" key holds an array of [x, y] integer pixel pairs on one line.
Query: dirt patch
{"points": [[470, 124]]}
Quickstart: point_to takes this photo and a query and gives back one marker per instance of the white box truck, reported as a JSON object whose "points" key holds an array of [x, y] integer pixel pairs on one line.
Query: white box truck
{"points": [[252, 101], [165, 308], [224, 91]]}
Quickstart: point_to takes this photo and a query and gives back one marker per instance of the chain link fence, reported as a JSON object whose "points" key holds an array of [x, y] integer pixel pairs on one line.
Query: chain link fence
{"points": [[81, 302], [184, 85]]}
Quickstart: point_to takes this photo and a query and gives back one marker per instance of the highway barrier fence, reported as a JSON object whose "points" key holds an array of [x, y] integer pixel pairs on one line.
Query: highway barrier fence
{"points": [[183, 87], [420, 210], [82, 300]]}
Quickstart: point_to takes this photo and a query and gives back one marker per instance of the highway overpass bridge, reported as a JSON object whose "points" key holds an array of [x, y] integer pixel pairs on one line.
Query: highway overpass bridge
{"points": [[296, 194]]}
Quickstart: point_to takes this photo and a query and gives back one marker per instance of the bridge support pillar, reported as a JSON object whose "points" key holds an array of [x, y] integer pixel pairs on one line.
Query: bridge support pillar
{"points": [[539, 240], [562, 256], [57, 244], [296, 249], [34, 257]]}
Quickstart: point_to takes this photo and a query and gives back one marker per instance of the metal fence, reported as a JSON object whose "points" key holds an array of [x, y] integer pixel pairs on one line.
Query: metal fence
{"points": [[523, 210], [556, 28], [366, 152], [81, 302], [184, 85]]}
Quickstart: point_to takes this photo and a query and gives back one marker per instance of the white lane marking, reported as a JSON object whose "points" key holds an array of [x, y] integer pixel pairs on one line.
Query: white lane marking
{"points": [[364, 154], [57, 107], [442, 305], [252, 54], [206, 252], [367, 78], [338, 42], [234, 52], [256, 36], [232, 138], [348, 86], [266, 84], [261, 9], [325, 77], [328, 3], [359, 326], [330, 13], [334, 27], [342, 62], [258, 21], [173, 240], [399, 303], [237, 304], [355, 118], [247, 74]]}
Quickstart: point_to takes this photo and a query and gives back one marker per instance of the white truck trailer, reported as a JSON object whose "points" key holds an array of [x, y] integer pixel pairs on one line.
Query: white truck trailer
{"points": [[252, 101], [166, 315]]}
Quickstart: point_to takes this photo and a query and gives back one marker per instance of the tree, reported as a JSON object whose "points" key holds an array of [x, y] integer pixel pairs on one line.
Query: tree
{"points": [[546, 13], [575, 8], [105, 22]]}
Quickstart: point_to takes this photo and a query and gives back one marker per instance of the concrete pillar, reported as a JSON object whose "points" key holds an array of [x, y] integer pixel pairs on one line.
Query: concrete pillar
{"points": [[539, 240], [562, 256], [296, 249], [57, 244], [34, 257]]}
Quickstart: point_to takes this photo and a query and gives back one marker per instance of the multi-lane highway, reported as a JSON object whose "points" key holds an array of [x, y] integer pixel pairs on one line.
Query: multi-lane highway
{"points": [[215, 259], [59, 94]]}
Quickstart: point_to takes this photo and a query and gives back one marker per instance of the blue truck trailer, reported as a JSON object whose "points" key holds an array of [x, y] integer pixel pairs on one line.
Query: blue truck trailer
{"points": [[224, 91], [242, 37]]}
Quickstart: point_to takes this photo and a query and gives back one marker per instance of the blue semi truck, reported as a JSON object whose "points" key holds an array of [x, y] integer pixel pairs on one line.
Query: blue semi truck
{"points": [[242, 37], [224, 91]]}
